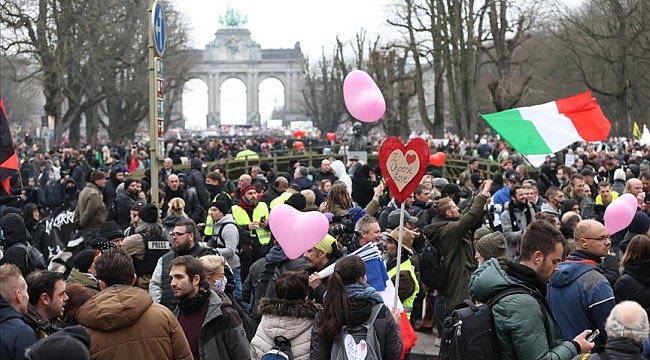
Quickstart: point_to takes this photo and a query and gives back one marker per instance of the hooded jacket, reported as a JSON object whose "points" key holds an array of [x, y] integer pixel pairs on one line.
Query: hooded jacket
{"points": [[634, 284], [546, 208], [580, 296], [125, 323], [195, 179], [228, 242], [91, 212], [36, 229], [291, 319], [521, 325], [110, 191], [16, 335], [222, 334], [457, 244], [77, 277], [513, 237], [15, 232]]}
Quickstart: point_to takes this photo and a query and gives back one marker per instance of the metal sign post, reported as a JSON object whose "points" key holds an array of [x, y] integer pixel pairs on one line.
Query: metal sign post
{"points": [[157, 34]]}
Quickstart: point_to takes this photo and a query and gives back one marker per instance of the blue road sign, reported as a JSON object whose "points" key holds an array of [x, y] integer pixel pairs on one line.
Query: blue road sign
{"points": [[158, 28]]}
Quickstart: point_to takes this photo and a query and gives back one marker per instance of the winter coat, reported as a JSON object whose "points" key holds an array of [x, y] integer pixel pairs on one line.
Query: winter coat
{"points": [[306, 184], [618, 349], [580, 296], [222, 334], [634, 284], [195, 179], [227, 244], [77, 277], [91, 212], [363, 189], [125, 323], [193, 206], [16, 233], [457, 244], [291, 319], [521, 325], [502, 196], [78, 174], [110, 191], [124, 201], [36, 230], [386, 329], [54, 194], [546, 208], [16, 335], [513, 237]]}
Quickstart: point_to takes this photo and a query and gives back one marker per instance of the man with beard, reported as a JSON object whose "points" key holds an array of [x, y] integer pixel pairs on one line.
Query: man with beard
{"points": [[580, 295], [125, 199], [184, 242], [173, 190], [114, 180], [516, 215], [211, 324], [577, 193], [252, 215], [324, 254], [524, 325], [47, 299], [555, 198], [91, 212], [502, 196]]}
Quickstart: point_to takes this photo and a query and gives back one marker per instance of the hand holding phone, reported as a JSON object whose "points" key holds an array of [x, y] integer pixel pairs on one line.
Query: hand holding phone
{"points": [[593, 335]]}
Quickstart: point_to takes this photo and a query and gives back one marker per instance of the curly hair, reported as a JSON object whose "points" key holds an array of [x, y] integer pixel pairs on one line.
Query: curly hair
{"points": [[338, 195]]}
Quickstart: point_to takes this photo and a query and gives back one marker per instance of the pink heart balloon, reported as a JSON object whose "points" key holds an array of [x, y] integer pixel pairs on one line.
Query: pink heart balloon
{"points": [[618, 216], [629, 199], [297, 231], [363, 99]]}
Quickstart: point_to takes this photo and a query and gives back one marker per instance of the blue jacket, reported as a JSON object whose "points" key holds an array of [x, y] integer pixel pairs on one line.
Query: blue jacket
{"points": [[16, 336], [502, 196], [580, 296]]}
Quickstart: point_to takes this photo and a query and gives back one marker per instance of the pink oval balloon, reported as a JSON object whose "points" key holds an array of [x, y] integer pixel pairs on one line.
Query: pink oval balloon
{"points": [[629, 199], [297, 231], [363, 99], [618, 216]]}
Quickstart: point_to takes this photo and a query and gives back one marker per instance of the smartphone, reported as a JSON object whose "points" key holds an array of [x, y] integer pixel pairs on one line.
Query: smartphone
{"points": [[263, 219], [593, 335]]}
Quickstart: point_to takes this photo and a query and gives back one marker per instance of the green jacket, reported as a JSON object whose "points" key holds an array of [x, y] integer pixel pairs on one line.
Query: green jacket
{"points": [[77, 277], [455, 235], [521, 327]]}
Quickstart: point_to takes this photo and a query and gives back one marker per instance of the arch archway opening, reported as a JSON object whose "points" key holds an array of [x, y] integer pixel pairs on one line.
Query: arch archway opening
{"points": [[233, 102], [195, 104], [271, 101]]}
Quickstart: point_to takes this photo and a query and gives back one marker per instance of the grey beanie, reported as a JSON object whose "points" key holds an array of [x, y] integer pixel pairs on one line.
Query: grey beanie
{"points": [[493, 246]]}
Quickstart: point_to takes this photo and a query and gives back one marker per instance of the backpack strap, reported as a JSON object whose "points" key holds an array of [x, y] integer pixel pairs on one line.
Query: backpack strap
{"points": [[24, 247], [585, 356], [373, 315], [221, 231]]}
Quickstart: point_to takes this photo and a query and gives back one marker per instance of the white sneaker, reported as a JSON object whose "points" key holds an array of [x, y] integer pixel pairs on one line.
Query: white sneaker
{"points": [[437, 342]]}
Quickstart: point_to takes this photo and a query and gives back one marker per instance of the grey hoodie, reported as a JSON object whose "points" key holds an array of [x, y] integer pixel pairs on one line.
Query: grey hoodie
{"points": [[227, 243]]}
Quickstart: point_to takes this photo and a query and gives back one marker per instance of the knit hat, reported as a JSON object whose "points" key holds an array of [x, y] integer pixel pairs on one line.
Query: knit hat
{"points": [[482, 231], [149, 214], [356, 213], [222, 206], [407, 239], [297, 201], [182, 177], [137, 205], [100, 243], [70, 343], [327, 245], [243, 190], [84, 259], [619, 174], [97, 175], [640, 223], [493, 245], [110, 230]]}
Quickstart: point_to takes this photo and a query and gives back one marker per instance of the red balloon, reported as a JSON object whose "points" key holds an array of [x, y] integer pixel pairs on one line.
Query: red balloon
{"points": [[437, 159], [302, 133], [296, 134], [298, 144], [331, 136]]}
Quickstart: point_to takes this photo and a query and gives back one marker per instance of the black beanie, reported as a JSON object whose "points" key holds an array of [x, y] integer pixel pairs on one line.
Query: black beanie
{"points": [[70, 343], [84, 259], [297, 201], [149, 214], [128, 182], [265, 166], [222, 206]]}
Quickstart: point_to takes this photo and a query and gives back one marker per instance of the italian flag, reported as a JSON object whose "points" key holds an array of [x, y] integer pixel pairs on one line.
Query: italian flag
{"points": [[550, 127]]}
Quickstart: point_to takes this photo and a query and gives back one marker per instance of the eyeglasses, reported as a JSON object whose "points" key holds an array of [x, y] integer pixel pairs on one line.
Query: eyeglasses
{"points": [[177, 234], [600, 238]]}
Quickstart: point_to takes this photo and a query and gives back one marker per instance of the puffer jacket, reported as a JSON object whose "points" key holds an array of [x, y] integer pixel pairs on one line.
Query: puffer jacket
{"points": [[457, 243], [77, 277], [125, 323], [580, 296], [222, 334], [291, 319], [521, 325], [16, 233], [634, 284], [386, 329]]}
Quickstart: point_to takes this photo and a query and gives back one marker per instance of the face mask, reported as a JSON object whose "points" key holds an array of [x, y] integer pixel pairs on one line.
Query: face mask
{"points": [[220, 285], [210, 187], [310, 177]]}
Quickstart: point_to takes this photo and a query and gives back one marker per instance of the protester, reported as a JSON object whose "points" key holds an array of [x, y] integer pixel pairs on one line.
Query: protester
{"points": [[14, 301]]}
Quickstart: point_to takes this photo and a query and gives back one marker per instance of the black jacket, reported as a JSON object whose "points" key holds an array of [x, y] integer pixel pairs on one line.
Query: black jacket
{"points": [[619, 349], [16, 232], [634, 284], [195, 179], [16, 335]]}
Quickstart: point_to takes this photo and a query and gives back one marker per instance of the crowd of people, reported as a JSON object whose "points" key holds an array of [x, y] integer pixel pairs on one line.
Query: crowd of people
{"points": [[200, 275]]}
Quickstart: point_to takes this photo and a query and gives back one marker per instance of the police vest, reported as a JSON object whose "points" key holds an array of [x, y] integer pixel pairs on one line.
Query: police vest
{"points": [[408, 302], [154, 249], [208, 220], [241, 218]]}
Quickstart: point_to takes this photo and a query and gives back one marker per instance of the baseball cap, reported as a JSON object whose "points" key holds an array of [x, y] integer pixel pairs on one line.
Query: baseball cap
{"points": [[587, 172], [513, 176], [452, 188], [393, 218]]}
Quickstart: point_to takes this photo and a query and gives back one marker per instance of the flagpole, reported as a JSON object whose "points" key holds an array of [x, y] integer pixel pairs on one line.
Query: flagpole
{"points": [[399, 254]]}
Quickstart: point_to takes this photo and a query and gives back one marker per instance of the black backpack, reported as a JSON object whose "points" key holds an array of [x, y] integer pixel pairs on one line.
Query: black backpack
{"points": [[432, 269], [469, 333], [34, 259], [264, 285], [248, 322], [244, 247]]}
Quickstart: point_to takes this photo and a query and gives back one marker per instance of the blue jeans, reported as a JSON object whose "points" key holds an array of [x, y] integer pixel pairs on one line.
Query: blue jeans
{"points": [[238, 285]]}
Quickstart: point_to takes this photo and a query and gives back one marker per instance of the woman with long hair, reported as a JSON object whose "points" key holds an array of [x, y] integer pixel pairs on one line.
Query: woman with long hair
{"points": [[634, 284], [338, 200], [290, 315], [350, 302]]}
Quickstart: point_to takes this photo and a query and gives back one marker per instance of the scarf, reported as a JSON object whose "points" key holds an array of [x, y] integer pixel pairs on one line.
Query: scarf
{"points": [[363, 291], [527, 275], [249, 209], [189, 306], [513, 219]]}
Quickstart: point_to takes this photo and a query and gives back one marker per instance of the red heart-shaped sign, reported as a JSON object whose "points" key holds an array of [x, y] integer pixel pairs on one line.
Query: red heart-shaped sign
{"points": [[403, 166]]}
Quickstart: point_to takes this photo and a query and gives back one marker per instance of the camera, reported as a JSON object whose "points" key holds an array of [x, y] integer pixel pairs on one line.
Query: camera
{"points": [[494, 208], [344, 227]]}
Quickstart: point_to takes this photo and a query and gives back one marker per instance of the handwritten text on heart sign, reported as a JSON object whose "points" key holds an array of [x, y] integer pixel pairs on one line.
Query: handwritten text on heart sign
{"points": [[403, 168]]}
